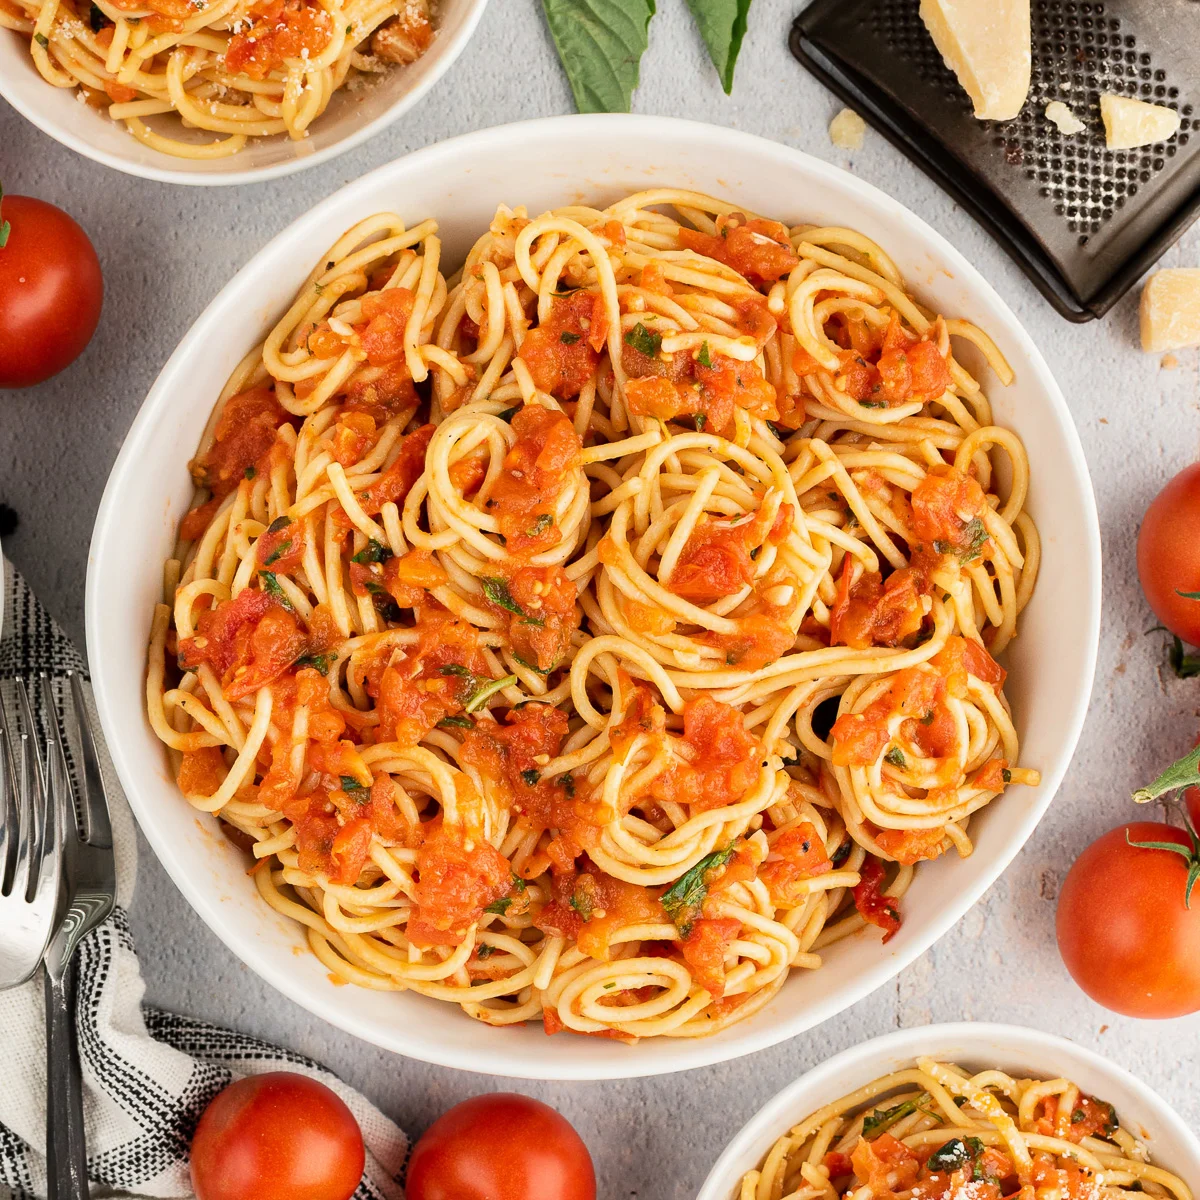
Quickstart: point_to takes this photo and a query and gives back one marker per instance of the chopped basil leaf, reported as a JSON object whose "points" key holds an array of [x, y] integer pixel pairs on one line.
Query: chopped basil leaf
{"points": [[540, 525], [895, 756], [530, 666], [568, 338], [318, 662], [976, 534], [509, 413], [373, 552], [701, 420], [581, 902], [643, 341], [568, 783], [42, 40], [455, 669], [250, 472], [950, 1157], [842, 853], [278, 552], [350, 784], [927, 719], [496, 590], [873, 403], [278, 524], [273, 589], [485, 951], [684, 899], [477, 698], [456, 723], [878, 1121], [704, 358], [530, 778], [500, 907], [1006, 775]]}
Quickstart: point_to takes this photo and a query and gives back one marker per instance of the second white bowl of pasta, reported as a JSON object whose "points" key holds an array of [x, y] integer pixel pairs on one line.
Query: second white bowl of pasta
{"points": [[598, 637], [223, 91], [971, 1109]]}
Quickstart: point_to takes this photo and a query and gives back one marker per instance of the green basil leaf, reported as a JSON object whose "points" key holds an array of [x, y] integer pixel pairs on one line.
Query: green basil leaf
{"points": [[722, 26], [600, 44], [274, 589], [684, 899], [568, 338], [456, 723], [881, 1120], [895, 756], [704, 358], [949, 1157], [643, 341], [318, 662], [496, 590], [373, 552], [531, 777]]}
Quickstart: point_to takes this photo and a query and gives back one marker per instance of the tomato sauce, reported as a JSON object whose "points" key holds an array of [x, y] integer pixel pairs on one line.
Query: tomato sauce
{"points": [[759, 250], [874, 612], [282, 29], [723, 759], [563, 352], [796, 854], [386, 314], [947, 506], [873, 905], [244, 433], [540, 632], [457, 877], [397, 481], [704, 950]]}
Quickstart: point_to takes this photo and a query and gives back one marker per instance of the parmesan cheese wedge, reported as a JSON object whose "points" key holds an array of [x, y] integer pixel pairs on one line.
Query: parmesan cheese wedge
{"points": [[1170, 310], [1130, 123], [986, 43]]}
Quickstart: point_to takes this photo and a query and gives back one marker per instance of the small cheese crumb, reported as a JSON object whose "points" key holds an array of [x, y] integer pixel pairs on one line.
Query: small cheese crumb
{"points": [[1170, 310], [1131, 123], [846, 130], [1169, 362], [1059, 114]]}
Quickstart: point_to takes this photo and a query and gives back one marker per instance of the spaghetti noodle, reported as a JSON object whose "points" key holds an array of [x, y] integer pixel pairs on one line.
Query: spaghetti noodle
{"points": [[597, 634], [937, 1132], [238, 68]]}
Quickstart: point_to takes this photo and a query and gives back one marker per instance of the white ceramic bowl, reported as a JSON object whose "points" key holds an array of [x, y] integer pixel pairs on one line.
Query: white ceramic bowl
{"points": [[350, 119], [1026, 1053], [542, 164]]}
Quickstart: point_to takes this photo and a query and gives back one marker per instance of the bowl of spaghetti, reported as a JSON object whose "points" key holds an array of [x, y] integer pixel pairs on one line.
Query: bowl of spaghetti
{"points": [[223, 91], [968, 1109], [596, 605]]}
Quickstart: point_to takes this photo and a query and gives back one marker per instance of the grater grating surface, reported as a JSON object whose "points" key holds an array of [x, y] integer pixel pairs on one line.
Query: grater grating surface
{"points": [[1083, 221]]}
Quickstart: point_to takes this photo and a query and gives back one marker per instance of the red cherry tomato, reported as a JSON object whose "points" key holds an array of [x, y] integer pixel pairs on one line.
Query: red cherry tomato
{"points": [[50, 291], [501, 1147], [1125, 931], [1168, 554], [278, 1136]]}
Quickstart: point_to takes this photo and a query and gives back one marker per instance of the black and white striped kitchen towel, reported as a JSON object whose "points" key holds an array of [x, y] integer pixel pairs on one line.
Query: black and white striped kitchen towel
{"points": [[148, 1075]]}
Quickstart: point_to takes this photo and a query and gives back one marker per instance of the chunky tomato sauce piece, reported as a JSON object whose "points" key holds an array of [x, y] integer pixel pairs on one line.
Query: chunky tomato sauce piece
{"points": [[874, 612], [457, 876], [201, 771], [397, 480], [885, 1164], [910, 846], [590, 906], [248, 641], [382, 395], [326, 725], [686, 386], [795, 855], [884, 368], [282, 29], [540, 634], [534, 473], [961, 657], [428, 681], [507, 755], [198, 520], [759, 250], [563, 352], [410, 577], [643, 716], [717, 561], [245, 432], [761, 638], [386, 314], [872, 904], [353, 435], [860, 738], [281, 548], [991, 775], [1088, 1118], [723, 758], [947, 507], [704, 950]]}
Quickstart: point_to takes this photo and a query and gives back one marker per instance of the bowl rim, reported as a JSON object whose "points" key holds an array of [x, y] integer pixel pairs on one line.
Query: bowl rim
{"points": [[778, 1113], [448, 52], [505, 1059]]}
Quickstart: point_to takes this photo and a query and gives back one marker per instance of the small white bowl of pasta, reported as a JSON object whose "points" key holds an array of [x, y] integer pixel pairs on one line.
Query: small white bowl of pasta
{"points": [[177, 119], [1000, 1103], [596, 161]]}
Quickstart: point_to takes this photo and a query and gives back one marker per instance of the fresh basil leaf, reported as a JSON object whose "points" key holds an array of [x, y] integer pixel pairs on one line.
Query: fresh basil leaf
{"points": [[701, 420], [279, 523], [895, 756], [508, 413], [684, 899], [722, 26], [278, 553], [500, 907], [643, 341], [455, 669], [485, 951], [476, 699], [600, 44], [568, 784], [350, 784], [531, 778], [949, 1157], [842, 853], [568, 338], [496, 590], [373, 552], [456, 723], [249, 472], [582, 903], [318, 662], [881, 1120], [704, 358], [274, 589], [42, 40]]}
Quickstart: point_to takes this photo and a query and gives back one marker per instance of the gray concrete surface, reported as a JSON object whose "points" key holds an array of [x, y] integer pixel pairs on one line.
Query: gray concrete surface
{"points": [[167, 250]]}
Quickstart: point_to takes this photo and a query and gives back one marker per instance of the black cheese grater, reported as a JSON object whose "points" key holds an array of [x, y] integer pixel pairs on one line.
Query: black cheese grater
{"points": [[1082, 221]]}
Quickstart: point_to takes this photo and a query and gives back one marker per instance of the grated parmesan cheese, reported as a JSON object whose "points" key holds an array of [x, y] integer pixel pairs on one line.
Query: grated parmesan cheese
{"points": [[1057, 113]]}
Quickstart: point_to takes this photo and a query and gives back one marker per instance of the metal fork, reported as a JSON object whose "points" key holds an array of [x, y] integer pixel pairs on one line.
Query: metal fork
{"points": [[90, 890], [31, 844]]}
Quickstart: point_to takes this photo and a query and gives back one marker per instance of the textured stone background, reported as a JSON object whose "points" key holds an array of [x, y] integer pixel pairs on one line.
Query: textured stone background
{"points": [[167, 250]]}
